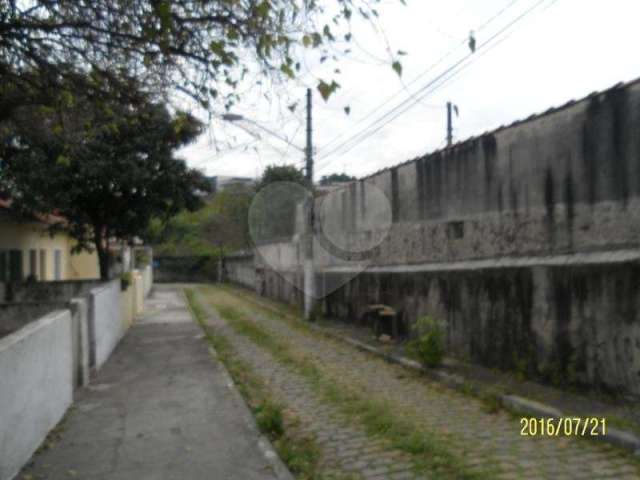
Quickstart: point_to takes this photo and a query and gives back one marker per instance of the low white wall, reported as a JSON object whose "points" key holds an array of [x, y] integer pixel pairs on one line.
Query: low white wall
{"points": [[147, 279], [106, 325], [36, 387]]}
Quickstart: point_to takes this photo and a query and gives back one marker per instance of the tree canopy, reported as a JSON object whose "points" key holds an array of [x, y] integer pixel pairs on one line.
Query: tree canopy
{"points": [[106, 167], [280, 173], [336, 178], [219, 226], [200, 47]]}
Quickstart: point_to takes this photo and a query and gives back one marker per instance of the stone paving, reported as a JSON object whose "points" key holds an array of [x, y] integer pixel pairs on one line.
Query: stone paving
{"points": [[346, 450], [483, 439]]}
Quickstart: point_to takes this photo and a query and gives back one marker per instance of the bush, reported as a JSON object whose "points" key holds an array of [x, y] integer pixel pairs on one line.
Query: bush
{"points": [[269, 419], [429, 346], [125, 280]]}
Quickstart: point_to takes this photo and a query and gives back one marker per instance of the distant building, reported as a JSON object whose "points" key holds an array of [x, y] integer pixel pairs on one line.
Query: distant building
{"points": [[220, 183]]}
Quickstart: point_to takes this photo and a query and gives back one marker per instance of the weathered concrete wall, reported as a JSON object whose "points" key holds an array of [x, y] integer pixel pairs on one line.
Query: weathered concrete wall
{"points": [[571, 323], [526, 239], [36, 387], [565, 181], [106, 323], [147, 280], [14, 316], [240, 269]]}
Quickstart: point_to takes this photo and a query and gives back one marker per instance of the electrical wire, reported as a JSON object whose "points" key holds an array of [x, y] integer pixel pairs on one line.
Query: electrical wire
{"points": [[424, 91], [422, 74]]}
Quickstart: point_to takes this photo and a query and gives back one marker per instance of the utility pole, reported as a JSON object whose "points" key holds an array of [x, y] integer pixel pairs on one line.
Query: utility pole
{"points": [[309, 279], [449, 125]]}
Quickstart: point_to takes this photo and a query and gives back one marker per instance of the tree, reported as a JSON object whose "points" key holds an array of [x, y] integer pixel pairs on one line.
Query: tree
{"points": [[220, 225], [280, 191], [281, 173], [336, 178], [199, 47], [106, 167]]}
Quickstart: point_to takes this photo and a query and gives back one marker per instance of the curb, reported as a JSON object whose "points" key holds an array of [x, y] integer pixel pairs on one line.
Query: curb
{"points": [[514, 403]]}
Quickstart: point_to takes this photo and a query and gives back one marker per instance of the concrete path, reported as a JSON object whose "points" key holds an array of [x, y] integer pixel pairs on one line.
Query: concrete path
{"points": [[161, 408]]}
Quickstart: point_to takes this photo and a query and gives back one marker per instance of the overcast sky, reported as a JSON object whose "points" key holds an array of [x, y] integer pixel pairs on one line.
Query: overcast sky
{"points": [[560, 50]]}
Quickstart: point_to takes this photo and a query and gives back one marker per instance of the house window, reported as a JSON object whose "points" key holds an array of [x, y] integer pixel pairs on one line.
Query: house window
{"points": [[57, 264], [33, 263], [43, 265], [15, 265], [4, 264]]}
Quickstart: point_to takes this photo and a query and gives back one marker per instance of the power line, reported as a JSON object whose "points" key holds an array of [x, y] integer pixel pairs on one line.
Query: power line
{"points": [[421, 75], [424, 91], [401, 106]]}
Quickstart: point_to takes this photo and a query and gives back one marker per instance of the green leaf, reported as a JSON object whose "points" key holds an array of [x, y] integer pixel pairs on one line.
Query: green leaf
{"points": [[327, 89], [63, 161], [262, 10], [397, 67], [287, 70]]}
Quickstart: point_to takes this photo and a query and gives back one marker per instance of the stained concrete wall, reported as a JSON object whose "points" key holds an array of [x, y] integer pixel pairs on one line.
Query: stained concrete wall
{"points": [[526, 239], [36, 387], [241, 269], [565, 181]]}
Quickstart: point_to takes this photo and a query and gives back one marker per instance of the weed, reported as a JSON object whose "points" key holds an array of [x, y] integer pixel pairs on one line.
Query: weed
{"points": [[298, 452], [430, 342], [269, 419], [430, 451]]}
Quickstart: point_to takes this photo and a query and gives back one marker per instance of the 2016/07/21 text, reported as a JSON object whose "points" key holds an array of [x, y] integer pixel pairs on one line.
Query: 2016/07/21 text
{"points": [[567, 426]]}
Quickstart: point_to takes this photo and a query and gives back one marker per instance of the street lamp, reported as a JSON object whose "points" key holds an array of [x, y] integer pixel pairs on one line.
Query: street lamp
{"points": [[309, 279]]}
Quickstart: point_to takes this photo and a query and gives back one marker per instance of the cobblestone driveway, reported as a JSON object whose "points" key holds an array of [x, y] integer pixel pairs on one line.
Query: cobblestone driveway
{"points": [[484, 440], [347, 451]]}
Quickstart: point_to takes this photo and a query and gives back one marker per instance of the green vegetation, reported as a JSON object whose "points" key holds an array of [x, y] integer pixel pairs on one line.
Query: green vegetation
{"points": [[125, 280], [336, 178], [107, 168], [219, 227], [431, 453], [429, 344], [297, 451]]}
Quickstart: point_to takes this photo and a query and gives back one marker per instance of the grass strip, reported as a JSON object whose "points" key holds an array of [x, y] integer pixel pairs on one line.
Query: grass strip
{"points": [[431, 454], [299, 452]]}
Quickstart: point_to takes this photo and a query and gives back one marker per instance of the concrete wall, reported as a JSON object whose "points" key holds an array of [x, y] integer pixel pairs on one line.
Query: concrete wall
{"points": [[241, 269], [106, 323], [14, 316], [526, 239], [147, 280], [36, 387], [565, 181]]}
